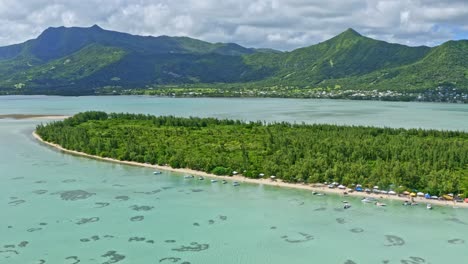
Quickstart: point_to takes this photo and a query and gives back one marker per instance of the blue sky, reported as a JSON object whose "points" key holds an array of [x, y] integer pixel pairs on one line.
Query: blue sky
{"points": [[279, 24]]}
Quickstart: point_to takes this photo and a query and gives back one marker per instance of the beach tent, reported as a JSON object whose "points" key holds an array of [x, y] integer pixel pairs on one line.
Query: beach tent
{"points": [[391, 192], [420, 194], [341, 187], [359, 189], [434, 197], [427, 196], [406, 193], [466, 200], [412, 194]]}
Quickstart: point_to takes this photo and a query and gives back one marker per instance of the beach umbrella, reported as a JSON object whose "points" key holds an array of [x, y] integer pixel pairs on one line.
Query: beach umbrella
{"points": [[234, 173], [420, 194], [412, 194], [427, 196], [359, 189], [434, 197], [359, 185], [391, 192], [406, 193], [383, 192], [466, 200], [261, 174], [341, 187], [376, 187]]}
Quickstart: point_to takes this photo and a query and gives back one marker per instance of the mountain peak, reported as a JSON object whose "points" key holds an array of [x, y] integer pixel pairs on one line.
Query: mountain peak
{"points": [[96, 27], [351, 32]]}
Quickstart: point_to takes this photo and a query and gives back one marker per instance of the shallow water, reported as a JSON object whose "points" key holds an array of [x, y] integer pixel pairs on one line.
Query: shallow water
{"points": [[369, 113], [63, 209]]}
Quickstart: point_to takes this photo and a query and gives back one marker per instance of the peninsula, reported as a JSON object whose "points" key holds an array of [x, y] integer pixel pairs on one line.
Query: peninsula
{"points": [[297, 155]]}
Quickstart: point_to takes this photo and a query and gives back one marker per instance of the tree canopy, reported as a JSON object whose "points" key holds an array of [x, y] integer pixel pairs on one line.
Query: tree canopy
{"points": [[425, 160]]}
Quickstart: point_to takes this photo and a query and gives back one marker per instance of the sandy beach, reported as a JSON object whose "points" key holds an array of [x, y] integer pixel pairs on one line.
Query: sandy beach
{"points": [[32, 116], [242, 179]]}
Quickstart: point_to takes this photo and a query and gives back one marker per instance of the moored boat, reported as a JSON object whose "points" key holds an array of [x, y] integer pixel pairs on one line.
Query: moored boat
{"points": [[369, 200]]}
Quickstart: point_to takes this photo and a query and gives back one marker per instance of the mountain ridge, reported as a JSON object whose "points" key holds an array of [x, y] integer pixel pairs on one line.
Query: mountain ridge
{"points": [[82, 60]]}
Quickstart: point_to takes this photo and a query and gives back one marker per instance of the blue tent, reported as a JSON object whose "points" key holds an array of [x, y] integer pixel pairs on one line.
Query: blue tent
{"points": [[359, 189], [427, 196]]}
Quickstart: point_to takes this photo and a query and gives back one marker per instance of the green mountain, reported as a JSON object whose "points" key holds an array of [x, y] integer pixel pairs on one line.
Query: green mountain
{"points": [[83, 60]]}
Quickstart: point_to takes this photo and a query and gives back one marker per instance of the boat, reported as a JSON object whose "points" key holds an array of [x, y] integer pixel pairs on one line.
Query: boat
{"points": [[235, 183], [201, 178], [429, 207], [369, 200], [157, 172], [224, 181], [346, 206], [189, 177], [406, 203], [380, 204], [213, 181]]}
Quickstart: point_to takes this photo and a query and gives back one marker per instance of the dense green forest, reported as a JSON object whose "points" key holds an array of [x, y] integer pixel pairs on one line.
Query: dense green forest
{"points": [[87, 61], [426, 160]]}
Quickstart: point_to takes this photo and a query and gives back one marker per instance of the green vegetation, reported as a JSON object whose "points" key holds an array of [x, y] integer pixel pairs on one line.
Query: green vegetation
{"points": [[426, 160], [346, 66]]}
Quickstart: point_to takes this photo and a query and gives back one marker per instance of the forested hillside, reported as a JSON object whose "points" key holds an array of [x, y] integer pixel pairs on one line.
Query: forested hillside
{"points": [[85, 61], [426, 160]]}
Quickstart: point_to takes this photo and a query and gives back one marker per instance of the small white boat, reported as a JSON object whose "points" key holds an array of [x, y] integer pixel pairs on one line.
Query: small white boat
{"points": [[201, 178], [213, 181], [157, 172], [224, 181], [429, 207], [380, 204], [189, 177], [235, 184], [346, 206], [369, 200]]}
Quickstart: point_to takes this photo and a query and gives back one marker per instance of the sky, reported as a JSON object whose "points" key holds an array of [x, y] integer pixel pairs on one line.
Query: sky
{"points": [[278, 24]]}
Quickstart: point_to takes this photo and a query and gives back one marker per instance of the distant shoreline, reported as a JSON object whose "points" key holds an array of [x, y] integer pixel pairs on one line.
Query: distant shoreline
{"points": [[242, 179], [31, 116]]}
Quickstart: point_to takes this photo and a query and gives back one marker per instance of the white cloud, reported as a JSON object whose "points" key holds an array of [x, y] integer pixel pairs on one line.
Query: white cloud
{"points": [[281, 24]]}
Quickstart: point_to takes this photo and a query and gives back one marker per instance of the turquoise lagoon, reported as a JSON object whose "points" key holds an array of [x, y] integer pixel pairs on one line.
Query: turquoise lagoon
{"points": [[62, 209]]}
